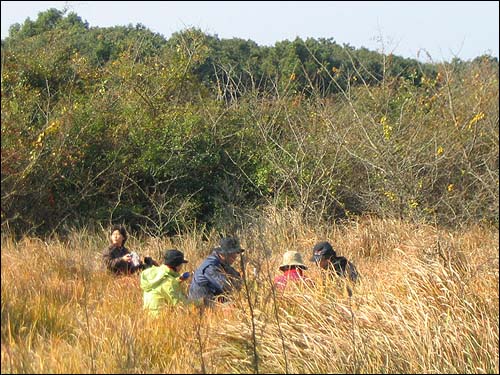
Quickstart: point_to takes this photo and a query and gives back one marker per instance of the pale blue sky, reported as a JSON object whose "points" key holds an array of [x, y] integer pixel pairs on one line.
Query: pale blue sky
{"points": [[445, 29]]}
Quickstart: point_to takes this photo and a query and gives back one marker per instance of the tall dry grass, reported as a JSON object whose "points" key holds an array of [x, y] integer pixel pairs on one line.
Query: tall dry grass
{"points": [[428, 302]]}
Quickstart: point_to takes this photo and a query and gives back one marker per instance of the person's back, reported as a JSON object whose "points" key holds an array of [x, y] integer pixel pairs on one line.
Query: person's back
{"points": [[202, 285], [162, 284], [215, 276], [344, 268]]}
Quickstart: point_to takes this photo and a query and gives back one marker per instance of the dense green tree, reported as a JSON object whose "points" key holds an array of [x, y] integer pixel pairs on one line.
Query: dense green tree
{"points": [[119, 124]]}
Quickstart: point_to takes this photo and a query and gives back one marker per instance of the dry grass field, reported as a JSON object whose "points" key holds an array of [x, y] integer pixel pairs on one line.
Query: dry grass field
{"points": [[428, 302]]}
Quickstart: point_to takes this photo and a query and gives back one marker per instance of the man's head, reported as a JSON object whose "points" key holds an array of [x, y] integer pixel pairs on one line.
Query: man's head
{"points": [[174, 259], [322, 252], [228, 250]]}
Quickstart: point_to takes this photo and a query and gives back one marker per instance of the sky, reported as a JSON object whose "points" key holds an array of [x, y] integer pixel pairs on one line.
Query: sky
{"points": [[430, 31]]}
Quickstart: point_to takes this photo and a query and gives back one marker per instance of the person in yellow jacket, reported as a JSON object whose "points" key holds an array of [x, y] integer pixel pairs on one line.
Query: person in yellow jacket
{"points": [[162, 284]]}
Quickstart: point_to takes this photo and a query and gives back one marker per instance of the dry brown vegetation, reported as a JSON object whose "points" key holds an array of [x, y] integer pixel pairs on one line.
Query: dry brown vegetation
{"points": [[428, 302]]}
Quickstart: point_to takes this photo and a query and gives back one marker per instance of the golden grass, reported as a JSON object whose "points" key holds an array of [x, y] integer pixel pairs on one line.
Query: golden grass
{"points": [[428, 302]]}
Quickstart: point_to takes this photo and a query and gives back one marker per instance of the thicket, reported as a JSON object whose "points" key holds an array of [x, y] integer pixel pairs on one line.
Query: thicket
{"points": [[427, 303], [119, 124]]}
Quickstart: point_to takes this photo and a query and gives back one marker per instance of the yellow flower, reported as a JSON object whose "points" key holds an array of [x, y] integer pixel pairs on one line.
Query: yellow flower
{"points": [[54, 125], [40, 138], [292, 77], [439, 150], [386, 128], [478, 117], [390, 195], [450, 187]]}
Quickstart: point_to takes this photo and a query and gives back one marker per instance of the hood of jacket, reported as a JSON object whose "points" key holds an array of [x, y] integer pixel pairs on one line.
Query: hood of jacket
{"points": [[153, 276]]}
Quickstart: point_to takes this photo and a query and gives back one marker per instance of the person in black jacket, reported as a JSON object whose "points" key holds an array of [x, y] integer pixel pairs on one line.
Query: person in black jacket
{"points": [[120, 260], [325, 257]]}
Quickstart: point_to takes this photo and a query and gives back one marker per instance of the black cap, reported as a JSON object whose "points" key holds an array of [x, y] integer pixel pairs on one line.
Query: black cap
{"points": [[322, 249], [174, 258], [229, 245]]}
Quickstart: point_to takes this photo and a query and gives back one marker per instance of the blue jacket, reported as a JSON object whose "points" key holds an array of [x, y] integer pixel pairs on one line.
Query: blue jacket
{"points": [[213, 278]]}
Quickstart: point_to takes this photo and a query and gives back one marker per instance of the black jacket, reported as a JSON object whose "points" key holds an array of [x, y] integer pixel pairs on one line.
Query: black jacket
{"points": [[343, 268], [112, 259]]}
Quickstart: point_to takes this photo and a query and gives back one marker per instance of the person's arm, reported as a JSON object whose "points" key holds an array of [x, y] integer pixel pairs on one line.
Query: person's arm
{"points": [[112, 261], [149, 262], [216, 280], [174, 292], [233, 277], [352, 271]]}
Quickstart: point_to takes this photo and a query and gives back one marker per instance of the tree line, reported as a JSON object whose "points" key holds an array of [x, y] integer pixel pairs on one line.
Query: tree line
{"points": [[119, 124]]}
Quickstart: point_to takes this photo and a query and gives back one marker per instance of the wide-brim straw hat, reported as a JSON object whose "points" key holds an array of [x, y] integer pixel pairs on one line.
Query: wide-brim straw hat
{"points": [[293, 258]]}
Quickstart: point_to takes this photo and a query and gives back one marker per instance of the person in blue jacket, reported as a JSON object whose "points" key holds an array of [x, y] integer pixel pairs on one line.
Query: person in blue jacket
{"points": [[215, 278]]}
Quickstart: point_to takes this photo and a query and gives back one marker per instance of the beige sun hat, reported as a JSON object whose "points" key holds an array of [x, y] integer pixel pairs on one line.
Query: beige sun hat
{"points": [[293, 258]]}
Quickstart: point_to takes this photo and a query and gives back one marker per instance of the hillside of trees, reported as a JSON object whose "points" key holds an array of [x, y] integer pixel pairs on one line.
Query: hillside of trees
{"points": [[119, 124]]}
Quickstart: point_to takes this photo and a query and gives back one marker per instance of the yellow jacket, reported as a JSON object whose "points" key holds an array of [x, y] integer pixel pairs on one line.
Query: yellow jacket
{"points": [[161, 287]]}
